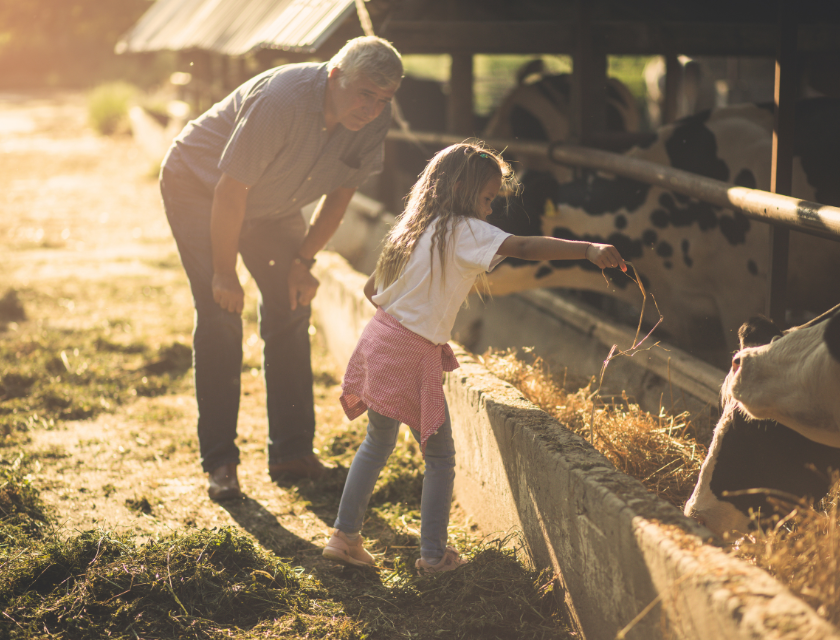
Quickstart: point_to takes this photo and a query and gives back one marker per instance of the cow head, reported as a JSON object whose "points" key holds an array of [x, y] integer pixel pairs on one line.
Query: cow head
{"points": [[752, 460], [795, 379]]}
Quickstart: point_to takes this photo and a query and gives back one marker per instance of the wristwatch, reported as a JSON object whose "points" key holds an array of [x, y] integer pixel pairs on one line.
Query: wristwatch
{"points": [[306, 262]]}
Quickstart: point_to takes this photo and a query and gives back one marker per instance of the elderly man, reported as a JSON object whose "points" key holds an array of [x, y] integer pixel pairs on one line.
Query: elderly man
{"points": [[233, 182]]}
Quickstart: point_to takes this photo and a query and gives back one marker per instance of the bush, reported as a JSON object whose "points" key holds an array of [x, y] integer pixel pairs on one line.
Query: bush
{"points": [[108, 106]]}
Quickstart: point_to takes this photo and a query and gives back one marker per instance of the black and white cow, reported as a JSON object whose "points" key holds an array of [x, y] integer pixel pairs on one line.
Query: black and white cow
{"points": [[537, 108], [707, 266], [795, 379], [780, 428]]}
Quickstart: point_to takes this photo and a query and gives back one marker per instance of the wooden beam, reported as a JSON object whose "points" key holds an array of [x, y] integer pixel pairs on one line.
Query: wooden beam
{"points": [[481, 37], [673, 80], [781, 168], [460, 104], [589, 78], [627, 38], [809, 217]]}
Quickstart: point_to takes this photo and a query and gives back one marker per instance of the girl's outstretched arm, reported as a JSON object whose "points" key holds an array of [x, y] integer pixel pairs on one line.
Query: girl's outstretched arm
{"points": [[545, 248]]}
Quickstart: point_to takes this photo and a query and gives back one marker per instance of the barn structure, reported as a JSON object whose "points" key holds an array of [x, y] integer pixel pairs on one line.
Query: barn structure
{"points": [[222, 42]]}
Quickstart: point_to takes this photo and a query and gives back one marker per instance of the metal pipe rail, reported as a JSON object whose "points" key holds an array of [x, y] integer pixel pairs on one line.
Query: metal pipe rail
{"points": [[793, 213]]}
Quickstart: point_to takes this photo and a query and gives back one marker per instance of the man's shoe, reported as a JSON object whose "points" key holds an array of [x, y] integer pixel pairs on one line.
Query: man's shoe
{"points": [[451, 560], [222, 484], [298, 469], [351, 552]]}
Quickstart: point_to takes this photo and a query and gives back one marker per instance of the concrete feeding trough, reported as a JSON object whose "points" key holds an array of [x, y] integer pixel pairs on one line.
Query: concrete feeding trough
{"points": [[626, 559]]}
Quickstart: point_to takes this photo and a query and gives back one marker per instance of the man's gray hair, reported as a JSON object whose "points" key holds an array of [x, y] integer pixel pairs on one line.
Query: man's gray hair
{"points": [[368, 56]]}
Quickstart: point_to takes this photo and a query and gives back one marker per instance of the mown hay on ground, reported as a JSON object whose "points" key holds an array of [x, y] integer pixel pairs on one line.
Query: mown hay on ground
{"points": [[97, 584], [23, 515]]}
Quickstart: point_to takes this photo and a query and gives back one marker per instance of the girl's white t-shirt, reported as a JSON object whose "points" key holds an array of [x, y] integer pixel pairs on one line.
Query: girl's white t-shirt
{"points": [[425, 302]]}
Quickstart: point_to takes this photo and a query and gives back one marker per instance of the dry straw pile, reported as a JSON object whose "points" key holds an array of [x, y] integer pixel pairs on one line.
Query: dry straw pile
{"points": [[657, 450], [801, 549]]}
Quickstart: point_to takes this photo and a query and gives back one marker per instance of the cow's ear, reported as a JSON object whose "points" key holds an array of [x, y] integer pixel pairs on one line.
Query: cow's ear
{"points": [[832, 336], [757, 331]]}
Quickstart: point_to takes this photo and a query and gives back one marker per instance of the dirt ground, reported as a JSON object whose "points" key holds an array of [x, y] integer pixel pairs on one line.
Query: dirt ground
{"points": [[85, 244], [97, 405]]}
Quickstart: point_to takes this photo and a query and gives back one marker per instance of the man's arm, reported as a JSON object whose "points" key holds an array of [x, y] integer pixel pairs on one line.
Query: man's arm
{"points": [[229, 199], [324, 222]]}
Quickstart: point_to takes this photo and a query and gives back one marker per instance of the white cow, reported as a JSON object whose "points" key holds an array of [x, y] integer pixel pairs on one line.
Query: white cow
{"points": [[794, 380], [779, 433]]}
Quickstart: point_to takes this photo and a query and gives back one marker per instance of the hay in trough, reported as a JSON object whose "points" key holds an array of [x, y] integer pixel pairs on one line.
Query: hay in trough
{"points": [[654, 449], [802, 550]]}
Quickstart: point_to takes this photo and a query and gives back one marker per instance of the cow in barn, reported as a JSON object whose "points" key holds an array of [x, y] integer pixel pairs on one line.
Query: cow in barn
{"points": [[795, 379], [779, 433], [537, 108], [704, 82], [706, 266]]}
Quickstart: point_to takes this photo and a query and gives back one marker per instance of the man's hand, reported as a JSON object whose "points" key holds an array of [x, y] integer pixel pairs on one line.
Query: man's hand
{"points": [[302, 285], [228, 293]]}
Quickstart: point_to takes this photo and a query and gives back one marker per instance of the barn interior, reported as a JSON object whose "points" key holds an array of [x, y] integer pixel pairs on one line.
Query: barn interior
{"points": [[750, 50]]}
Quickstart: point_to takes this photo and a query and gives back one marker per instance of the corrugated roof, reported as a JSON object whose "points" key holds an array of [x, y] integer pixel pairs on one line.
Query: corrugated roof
{"points": [[236, 27]]}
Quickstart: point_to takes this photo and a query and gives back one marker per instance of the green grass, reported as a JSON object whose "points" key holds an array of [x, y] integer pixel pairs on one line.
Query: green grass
{"points": [[108, 106], [496, 74], [98, 584], [218, 583], [53, 375]]}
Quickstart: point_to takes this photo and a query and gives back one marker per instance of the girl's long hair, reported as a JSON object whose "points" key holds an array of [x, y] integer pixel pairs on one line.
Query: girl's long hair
{"points": [[447, 190]]}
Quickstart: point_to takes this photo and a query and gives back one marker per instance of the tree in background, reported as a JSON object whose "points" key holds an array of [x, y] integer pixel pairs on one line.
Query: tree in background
{"points": [[70, 43]]}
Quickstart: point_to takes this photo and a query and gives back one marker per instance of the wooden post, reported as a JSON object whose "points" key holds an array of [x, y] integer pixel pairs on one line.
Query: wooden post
{"points": [[460, 105], [240, 70], [673, 80], [781, 171], [589, 79]]}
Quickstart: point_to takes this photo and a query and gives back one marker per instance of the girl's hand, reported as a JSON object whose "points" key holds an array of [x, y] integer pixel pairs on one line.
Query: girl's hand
{"points": [[604, 256]]}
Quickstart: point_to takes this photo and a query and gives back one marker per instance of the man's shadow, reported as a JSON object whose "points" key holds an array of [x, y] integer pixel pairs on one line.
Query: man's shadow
{"points": [[267, 529]]}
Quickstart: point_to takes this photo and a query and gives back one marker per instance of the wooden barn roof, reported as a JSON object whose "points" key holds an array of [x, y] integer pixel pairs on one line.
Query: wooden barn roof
{"points": [[236, 27]]}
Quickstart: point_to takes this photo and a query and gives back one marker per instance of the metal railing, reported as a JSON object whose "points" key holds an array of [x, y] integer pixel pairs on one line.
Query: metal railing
{"points": [[793, 213]]}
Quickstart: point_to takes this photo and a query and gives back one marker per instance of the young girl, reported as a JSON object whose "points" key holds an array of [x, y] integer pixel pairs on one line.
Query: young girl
{"points": [[431, 259]]}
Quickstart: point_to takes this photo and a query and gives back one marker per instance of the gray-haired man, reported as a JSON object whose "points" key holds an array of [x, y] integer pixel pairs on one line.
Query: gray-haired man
{"points": [[233, 182]]}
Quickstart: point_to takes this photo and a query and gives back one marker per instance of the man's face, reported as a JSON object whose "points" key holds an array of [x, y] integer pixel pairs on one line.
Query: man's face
{"points": [[357, 103]]}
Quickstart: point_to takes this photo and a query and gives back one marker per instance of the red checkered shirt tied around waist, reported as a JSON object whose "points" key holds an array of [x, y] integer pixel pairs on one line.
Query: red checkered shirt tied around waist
{"points": [[398, 374]]}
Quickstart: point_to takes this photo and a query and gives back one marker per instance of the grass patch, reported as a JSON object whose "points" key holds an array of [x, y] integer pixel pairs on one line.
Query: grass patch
{"points": [[218, 583], [54, 375], [198, 585], [11, 307], [108, 106], [23, 516]]}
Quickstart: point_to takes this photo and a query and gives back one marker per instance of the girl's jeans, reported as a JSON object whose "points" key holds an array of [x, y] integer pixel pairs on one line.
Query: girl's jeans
{"points": [[437, 481], [267, 247]]}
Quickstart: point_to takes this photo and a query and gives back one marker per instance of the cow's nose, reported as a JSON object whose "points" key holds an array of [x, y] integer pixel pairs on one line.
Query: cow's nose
{"points": [[736, 364]]}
